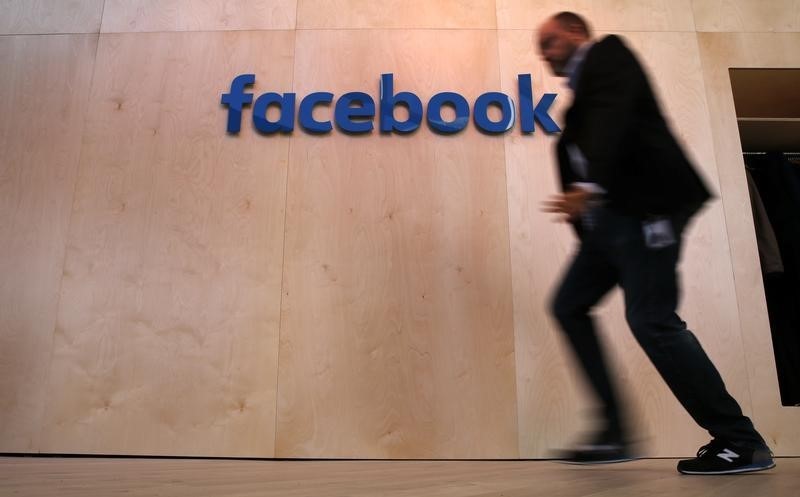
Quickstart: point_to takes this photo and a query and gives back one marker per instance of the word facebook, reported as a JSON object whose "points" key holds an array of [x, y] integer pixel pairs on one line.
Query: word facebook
{"points": [[354, 112]]}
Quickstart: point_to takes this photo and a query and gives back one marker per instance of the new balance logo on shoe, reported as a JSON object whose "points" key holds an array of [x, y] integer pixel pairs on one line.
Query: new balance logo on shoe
{"points": [[728, 455]]}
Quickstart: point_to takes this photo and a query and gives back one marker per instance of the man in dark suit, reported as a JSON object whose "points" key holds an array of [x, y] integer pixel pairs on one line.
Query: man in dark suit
{"points": [[629, 190]]}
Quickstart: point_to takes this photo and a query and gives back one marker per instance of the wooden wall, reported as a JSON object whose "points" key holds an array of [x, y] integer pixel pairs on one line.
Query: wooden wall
{"points": [[168, 289]]}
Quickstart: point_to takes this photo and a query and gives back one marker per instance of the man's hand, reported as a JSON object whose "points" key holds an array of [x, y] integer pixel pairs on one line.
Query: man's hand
{"points": [[570, 204]]}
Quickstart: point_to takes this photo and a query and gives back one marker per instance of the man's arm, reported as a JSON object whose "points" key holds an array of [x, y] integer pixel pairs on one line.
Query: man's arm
{"points": [[570, 204]]}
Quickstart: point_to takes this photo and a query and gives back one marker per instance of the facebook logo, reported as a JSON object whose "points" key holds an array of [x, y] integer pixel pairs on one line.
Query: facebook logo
{"points": [[355, 112]]}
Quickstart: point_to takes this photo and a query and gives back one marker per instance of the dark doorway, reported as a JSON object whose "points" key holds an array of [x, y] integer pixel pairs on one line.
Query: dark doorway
{"points": [[768, 113]]}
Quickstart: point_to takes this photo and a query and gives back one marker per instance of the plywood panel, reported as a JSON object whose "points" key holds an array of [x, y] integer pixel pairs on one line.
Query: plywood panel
{"points": [[719, 52], [602, 15], [197, 15], [44, 87], [548, 396], [315, 14], [397, 337], [50, 16], [168, 324], [747, 15]]}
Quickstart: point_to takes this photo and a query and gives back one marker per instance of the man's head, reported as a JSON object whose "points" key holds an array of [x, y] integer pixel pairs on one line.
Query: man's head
{"points": [[559, 37]]}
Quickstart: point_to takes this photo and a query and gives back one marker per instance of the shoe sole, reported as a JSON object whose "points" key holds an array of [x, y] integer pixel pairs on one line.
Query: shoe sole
{"points": [[744, 469], [594, 463]]}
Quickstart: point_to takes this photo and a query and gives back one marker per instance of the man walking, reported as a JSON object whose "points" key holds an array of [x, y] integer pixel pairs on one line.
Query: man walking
{"points": [[629, 190]]}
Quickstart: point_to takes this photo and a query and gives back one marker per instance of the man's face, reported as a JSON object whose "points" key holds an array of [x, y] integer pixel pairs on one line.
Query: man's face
{"points": [[557, 44]]}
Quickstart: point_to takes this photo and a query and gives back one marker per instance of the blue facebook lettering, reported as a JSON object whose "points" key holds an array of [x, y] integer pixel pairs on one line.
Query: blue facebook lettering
{"points": [[354, 112]]}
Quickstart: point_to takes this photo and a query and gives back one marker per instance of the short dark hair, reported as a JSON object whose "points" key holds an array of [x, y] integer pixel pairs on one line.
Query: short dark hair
{"points": [[571, 20]]}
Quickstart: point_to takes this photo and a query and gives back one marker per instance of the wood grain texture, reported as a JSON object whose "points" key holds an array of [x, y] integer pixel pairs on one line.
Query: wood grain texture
{"points": [[541, 250], [120, 16], [461, 14], [198, 478], [168, 324], [602, 15], [719, 52], [747, 15], [44, 87], [418, 267], [50, 16], [397, 335]]}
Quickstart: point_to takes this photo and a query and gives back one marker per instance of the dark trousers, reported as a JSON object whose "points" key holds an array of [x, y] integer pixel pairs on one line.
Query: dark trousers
{"points": [[614, 252]]}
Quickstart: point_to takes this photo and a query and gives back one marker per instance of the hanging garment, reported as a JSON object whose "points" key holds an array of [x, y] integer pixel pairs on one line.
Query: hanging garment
{"points": [[768, 251]]}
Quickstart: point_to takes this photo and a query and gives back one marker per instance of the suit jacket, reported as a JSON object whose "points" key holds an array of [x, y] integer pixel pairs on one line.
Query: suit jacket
{"points": [[616, 123]]}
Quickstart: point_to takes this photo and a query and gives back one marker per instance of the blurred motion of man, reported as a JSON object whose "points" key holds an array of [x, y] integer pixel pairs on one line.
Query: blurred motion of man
{"points": [[629, 190]]}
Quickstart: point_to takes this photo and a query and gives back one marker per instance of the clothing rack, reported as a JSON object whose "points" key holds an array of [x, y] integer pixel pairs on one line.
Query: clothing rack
{"points": [[793, 154], [791, 157]]}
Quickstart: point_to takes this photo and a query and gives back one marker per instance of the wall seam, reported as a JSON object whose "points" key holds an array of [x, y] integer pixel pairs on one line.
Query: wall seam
{"points": [[46, 406], [513, 355], [283, 252]]}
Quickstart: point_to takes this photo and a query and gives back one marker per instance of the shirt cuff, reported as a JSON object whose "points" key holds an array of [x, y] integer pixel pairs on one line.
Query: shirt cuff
{"points": [[590, 187]]}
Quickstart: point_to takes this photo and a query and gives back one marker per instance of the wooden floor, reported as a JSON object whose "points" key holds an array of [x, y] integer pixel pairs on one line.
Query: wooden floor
{"points": [[65, 477]]}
